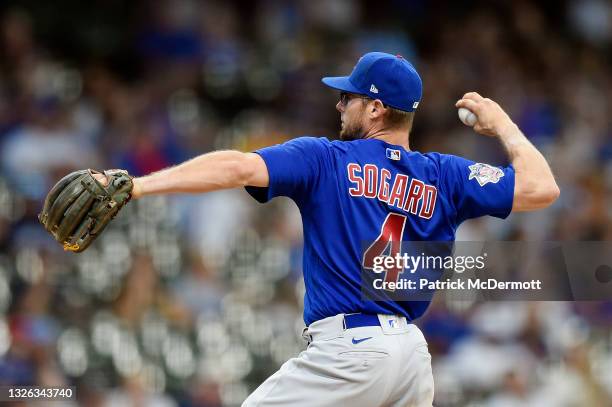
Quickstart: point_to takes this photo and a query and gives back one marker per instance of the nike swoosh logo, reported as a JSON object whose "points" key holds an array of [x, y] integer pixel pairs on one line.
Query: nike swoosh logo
{"points": [[356, 341]]}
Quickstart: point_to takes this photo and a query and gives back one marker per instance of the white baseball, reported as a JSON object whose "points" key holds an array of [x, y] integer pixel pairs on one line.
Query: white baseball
{"points": [[467, 117]]}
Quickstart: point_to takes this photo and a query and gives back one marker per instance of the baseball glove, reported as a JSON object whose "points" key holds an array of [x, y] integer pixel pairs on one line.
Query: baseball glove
{"points": [[78, 207]]}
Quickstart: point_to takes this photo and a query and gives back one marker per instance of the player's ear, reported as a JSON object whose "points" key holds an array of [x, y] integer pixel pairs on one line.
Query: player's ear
{"points": [[376, 109]]}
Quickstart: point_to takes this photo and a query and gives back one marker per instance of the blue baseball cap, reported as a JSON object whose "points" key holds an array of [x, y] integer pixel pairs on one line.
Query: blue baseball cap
{"points": [[383, 76]]}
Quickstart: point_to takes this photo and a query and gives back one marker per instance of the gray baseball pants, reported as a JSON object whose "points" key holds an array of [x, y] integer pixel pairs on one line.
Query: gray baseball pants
{"points": [[371, 366]]}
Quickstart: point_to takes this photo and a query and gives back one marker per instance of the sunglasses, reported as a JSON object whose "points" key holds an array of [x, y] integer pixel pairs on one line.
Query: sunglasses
{"points": [[346, 97]]}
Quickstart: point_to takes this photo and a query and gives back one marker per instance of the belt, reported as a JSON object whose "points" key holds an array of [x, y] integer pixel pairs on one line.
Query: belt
{"points": [[357, 320]]}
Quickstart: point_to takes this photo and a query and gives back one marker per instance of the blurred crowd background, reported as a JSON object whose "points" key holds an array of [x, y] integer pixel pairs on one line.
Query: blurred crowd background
{"points": [[195, 300]]}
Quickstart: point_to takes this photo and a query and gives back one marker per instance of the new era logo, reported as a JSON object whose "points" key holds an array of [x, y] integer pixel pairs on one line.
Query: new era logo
{"points": [[373, 89], [393, 154]]}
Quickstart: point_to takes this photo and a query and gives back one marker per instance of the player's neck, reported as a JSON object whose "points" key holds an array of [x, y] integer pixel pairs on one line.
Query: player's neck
{"points": [[396, 137]]}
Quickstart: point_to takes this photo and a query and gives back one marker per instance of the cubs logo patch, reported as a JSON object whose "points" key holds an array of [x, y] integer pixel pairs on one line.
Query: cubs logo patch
{"points": [[485, 173]]}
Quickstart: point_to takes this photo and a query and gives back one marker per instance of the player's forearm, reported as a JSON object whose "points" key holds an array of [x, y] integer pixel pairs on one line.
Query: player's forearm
{"points": [[208, 172], [535, 185]]}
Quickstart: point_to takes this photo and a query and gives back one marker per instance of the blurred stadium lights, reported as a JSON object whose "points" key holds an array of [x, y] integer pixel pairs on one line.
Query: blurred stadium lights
{"points": [[236, 362], [178, 356], [29, 265], [5, 337], [52, 80], [283, 347], [167, 256], [257, 333], [94, 277], [154, 332], [211, 336], [12, 205], [116, 253], [274, 260], [125, 354], [233, 394], [5, 291], [72, 351], [104, 332], [154, 377]]}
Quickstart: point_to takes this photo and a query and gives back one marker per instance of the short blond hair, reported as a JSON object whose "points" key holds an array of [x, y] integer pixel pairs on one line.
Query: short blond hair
{"points": [[395, 117], [399, 118]]}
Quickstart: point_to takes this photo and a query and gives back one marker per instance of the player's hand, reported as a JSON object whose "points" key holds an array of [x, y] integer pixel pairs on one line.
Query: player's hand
{"points": [[135, 189], [492, 120], [102, 179]]}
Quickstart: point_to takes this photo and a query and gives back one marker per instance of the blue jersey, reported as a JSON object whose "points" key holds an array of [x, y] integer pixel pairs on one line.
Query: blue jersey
{"points": [[351, 192]]}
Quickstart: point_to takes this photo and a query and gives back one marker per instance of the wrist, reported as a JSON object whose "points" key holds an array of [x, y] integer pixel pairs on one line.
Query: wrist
{"points": [[136, 188], [508, 131]]}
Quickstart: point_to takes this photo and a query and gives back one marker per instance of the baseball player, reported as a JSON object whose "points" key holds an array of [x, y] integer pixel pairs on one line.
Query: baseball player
{"points": [[367, 187]]}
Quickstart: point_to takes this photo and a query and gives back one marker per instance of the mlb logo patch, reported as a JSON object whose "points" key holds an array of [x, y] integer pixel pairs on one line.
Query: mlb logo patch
{"points": [[393, 154]]}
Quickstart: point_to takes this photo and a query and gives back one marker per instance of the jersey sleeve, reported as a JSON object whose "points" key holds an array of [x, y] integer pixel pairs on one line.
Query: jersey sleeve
{"points": [[477, 189], [294, 168]]}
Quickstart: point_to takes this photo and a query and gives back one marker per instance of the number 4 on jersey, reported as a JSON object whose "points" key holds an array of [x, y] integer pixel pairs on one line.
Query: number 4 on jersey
{"points": [[391, 234]]}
